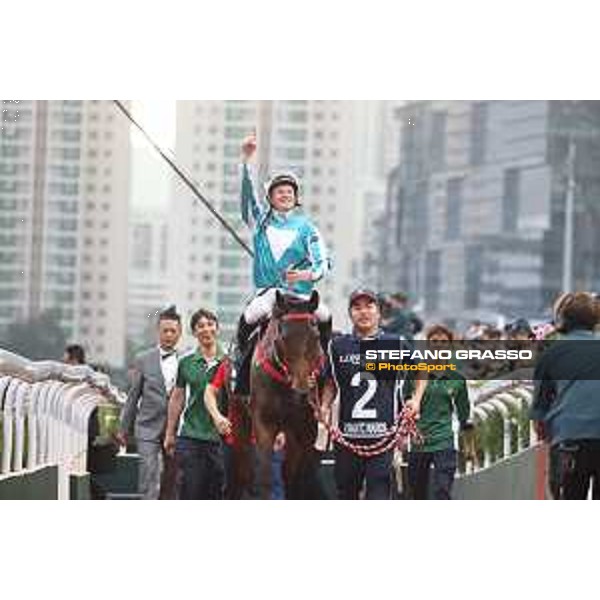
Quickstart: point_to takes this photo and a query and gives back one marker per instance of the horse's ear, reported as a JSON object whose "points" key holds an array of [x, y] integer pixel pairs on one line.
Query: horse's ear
{"points": [[279, 300], [313, 303]]}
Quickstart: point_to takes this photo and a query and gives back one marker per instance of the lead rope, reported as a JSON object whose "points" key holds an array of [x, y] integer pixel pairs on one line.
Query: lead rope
{"points": [[404, 429]]}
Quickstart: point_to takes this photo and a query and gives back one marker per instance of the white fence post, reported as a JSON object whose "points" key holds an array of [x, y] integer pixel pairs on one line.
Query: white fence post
{"points": [[35, 397], [21, 398], [8, 426]]}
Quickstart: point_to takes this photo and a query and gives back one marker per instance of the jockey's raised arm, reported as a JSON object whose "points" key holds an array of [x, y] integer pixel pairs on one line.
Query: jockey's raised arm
{"points": [[252, 209]]}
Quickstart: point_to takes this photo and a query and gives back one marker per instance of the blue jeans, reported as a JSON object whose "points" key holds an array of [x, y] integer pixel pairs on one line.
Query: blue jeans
{"points": [[201, 469], [419, 467], [277, 485]]}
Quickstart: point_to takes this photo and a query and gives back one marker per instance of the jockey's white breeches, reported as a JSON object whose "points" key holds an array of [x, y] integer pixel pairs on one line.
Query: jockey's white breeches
{"points": [[261, 306]]}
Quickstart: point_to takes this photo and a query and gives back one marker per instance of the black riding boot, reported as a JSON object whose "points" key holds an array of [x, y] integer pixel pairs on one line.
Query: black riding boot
{"points": [[325, 329], [243, 357], [243, 333]]}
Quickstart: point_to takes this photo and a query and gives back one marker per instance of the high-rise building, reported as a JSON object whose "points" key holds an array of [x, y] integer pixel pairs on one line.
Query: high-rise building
{"points": [[377, 149], [64, 193], [310, 138], [476, 205], [147, 281]]}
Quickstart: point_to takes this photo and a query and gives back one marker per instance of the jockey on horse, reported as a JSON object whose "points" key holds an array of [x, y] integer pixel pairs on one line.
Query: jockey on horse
{"points": [[289, 255]]}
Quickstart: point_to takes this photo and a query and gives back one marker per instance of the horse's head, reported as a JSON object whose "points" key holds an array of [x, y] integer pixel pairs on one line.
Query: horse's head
{"points": [[297, 339]]}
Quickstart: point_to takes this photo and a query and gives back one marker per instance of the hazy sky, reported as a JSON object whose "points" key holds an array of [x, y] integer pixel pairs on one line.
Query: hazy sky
{"points": [[157, 117], [151, 179]]}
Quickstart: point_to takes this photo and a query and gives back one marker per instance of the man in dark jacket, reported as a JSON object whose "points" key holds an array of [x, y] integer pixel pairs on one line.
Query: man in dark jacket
{"points": [[400, 320], [566, 404]]}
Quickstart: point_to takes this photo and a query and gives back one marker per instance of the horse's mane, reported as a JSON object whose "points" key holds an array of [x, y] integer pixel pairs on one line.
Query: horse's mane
{"points": [[270, 335]]}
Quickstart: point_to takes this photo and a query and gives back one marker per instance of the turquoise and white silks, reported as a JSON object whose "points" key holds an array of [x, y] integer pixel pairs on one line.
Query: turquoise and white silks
{"points": [[281, 241]]}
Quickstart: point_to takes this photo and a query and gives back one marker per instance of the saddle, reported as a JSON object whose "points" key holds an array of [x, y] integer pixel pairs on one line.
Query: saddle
{"points": [[253, 334]]}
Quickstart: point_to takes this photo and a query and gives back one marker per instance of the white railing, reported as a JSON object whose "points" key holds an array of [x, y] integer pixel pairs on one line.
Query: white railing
{"points": [[45, 410], [509, 401]]}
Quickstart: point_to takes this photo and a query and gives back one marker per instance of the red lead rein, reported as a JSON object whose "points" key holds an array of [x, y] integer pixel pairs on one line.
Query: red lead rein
{"points": [[404, 429]]}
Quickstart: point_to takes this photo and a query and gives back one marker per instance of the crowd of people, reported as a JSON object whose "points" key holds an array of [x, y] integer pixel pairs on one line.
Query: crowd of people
{"points": [[173, 414], [181, 431]]}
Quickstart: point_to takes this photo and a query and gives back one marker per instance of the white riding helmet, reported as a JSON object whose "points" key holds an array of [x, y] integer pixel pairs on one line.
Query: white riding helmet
{"points": [[283, 179]]}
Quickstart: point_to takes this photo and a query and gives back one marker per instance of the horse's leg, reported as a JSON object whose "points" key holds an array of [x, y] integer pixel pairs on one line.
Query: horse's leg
{"points": [[240, 470], [306, 429], [300, 431], [247, 473], [301, 471], [291, 464], [265, 438], [247, 466]]}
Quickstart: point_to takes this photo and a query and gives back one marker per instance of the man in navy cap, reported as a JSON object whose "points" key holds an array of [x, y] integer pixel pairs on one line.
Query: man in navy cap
{"points": [[367, 406]]}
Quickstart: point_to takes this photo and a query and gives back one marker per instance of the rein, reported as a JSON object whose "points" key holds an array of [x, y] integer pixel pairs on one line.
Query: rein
{"points": [[276, 368]]}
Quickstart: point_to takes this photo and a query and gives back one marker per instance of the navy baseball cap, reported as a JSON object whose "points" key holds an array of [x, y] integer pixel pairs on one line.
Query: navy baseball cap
{"points": [[362, 293]]}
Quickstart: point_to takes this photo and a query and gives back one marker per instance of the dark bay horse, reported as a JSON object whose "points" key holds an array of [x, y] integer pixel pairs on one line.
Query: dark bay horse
{"points": [[282, 398]]}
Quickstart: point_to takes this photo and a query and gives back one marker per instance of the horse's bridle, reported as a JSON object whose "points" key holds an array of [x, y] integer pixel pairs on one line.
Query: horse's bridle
{"points": [[280, 371], [304, 316]]}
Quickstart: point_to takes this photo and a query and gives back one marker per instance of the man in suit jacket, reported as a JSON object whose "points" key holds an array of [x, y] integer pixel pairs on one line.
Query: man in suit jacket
{"points": [[153, 376]]}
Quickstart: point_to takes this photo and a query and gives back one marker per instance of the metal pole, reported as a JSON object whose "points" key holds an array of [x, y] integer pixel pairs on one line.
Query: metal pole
{"points": [[185, 178], [567, 282]]}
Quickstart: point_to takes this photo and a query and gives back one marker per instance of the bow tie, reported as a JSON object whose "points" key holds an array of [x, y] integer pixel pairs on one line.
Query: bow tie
{"points": [[167, 355]]}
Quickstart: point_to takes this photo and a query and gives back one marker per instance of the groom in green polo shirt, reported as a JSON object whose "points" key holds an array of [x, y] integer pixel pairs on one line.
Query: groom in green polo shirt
{"points": [[191, 434]]}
